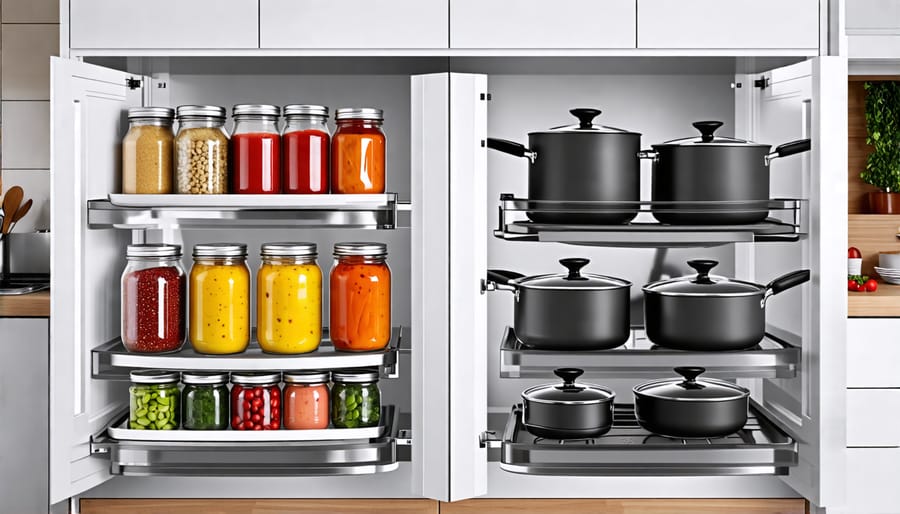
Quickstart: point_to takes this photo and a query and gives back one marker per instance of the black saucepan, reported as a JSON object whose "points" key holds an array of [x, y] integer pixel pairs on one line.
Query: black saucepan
{"points": [[568, 410]]}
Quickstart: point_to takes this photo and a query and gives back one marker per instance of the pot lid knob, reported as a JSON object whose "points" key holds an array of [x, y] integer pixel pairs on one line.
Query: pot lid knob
{"points": [[707, 129], [585, 116], [690, 374], [574, 266], [703, 267], [568, 375]]}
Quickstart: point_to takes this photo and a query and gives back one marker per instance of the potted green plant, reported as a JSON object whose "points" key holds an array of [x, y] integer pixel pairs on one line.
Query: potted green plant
{"points": [[883, 134]]}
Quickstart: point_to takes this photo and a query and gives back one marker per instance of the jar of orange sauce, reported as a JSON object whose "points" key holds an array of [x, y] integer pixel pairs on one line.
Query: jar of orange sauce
{"points": [[305, 400], [360, 286], [357, 152]]}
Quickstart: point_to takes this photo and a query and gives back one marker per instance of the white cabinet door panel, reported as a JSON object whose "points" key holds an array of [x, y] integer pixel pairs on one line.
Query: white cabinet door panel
{"points": [[872, 352], [873, 14], [731, 24], [873, 417], [872, 481], [176, 24], [537, 24], [353, 24]]}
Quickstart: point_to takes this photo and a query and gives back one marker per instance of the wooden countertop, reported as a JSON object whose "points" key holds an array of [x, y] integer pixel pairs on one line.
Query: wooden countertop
{"points": [[34, 305], [883, 303]]}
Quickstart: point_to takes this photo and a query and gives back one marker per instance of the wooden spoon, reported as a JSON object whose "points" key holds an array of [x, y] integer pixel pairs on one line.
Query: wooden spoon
{"points": [[11, 202], [21, 212]]}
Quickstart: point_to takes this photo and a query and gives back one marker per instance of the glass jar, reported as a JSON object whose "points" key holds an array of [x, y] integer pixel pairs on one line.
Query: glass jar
{"points": [[360, 297], [255, 401], [355, 399], [154, 290], [204, 400], [306, 142], [256, 149], [153, 400], [201, 150], [289, 298], [305, 400], [147, 151], [357, 152], [220, 298]]}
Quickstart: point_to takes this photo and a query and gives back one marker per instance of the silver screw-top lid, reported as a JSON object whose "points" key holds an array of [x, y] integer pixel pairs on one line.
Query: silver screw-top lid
{"points": [[204, 377], [220, 250], [287, 249], [256, 110], [364, 249], [153, 250], [304, 109], [154, 376], [256, 378], [359, 113], [156, 113], [209, 111], [352, 376], [306, 377]]}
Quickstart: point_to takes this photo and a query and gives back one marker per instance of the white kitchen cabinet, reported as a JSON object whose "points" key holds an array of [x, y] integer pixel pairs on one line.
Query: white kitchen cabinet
{"points": [[873, 417], [537, 24], [873, 28], [360, 24], [872, 481], [873, 352], [164, 24], [736, 24]]}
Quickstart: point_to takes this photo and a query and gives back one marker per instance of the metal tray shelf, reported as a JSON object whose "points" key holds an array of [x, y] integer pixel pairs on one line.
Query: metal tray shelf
{"points": [[113, 361], [629, 450], [639, 358], [787, 223]]}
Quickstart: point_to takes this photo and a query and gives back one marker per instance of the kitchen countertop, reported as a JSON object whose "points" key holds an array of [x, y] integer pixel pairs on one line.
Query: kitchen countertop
{"points": [[34, 305], [885, 302]]}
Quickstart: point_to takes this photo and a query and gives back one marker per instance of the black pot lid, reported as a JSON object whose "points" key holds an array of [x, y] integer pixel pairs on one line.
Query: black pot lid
{"points": [[707, 137], [568, 393], [585, 125], [690, 388], [574, 279], [704, 284]]}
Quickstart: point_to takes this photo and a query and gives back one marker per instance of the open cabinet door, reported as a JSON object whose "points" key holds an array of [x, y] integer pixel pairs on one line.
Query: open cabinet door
{"points": [[806, 100], [88, 119]]}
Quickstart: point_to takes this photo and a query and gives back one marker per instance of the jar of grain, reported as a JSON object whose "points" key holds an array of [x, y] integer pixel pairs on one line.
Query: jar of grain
{"points": [[147, 151], [201, 150]]}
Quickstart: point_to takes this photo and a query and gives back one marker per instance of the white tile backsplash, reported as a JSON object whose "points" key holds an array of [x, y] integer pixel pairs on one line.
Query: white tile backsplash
{"points": [[25, 135], [30, 11], [36, 184], [26, 60]]}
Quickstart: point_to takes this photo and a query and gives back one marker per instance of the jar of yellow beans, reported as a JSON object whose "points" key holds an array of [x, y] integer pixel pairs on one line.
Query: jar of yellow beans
{"points": [[289, 298], [219, 302]]}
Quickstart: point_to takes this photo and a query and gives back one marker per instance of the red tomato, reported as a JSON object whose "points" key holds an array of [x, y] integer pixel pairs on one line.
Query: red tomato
{"points": [[854, 253], [871, 285], [852, 285]]}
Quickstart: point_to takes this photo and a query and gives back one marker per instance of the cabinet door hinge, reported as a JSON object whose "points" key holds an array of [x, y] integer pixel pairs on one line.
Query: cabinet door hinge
{"points": [[489, 439], [485, 96], [132, 83], [762, 82]]}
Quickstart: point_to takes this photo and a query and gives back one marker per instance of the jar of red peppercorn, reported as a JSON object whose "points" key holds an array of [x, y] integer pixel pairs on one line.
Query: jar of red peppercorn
{"points": [[255, 401], [256, 149], [306, 142], [357, 152], [153, 299]]}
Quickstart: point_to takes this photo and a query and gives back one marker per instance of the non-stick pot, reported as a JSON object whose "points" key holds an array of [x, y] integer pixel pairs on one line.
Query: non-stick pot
{"points": [[577, 163], [691, 407], [568, 410], [568, 311], [706, 312], [712, 168]]}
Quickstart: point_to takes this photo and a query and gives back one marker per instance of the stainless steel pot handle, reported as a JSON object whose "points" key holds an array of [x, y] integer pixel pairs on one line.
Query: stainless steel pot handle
{"points": [[648, 154], [783, 283], [498, 280], [794, 147], [512, 148]]}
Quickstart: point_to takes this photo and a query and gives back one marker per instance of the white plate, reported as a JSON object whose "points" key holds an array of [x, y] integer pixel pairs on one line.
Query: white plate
{"points": [[892, 280], [887, 272], [328, 201]]}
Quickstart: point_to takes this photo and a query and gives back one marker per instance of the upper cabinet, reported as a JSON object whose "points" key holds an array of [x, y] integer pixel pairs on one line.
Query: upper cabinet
{"points": [[359, 24], [873, 28], [166, 24]]}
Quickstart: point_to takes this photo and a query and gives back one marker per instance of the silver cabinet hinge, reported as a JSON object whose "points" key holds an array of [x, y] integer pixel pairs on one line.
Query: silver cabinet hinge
{"points": [[404, 437], [489, 439]]}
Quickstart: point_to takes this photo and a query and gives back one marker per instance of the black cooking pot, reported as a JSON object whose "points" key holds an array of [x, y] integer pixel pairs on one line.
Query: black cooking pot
{"points": [[568, 410], [583, 162], [690, 407], [568, 311], [705, 312], [712, 168]]}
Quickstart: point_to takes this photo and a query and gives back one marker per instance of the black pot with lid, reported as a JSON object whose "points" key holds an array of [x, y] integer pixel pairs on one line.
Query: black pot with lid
{"points": [[568, 410]]}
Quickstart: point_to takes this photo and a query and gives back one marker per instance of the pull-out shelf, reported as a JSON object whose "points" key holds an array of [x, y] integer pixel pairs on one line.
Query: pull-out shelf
{"points": [[639, 358], [629, 450]]}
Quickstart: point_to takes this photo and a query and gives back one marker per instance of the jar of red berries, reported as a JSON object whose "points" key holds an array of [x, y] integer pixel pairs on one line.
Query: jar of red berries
{"points": [[255, 401], [153, 299]]}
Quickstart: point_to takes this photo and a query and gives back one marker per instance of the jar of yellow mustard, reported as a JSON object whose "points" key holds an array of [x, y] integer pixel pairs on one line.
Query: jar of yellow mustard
{"points": [[220, 298], [289, 298]]}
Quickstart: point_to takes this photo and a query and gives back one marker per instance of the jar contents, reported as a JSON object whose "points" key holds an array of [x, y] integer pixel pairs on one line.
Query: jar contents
{"points": [[255, 401], [147, 151], [205, 401], [201, 150], [153, 401], [306, 147], [356, 400], [153, 299], [289, 298], [256, 149], [360, 297], [357, 152], [220, 299], [306, 400]]}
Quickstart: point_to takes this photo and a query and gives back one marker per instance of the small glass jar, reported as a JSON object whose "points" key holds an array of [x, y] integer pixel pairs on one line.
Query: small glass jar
{"points": [[306, 400], [360, 288], [255, 401], [154, 291], [147, 151], [256, 149], [306, 148], [289, 298], [220, 298], [204, 400], [153, 399], [357, 152], [201, 150], [355, 399]]}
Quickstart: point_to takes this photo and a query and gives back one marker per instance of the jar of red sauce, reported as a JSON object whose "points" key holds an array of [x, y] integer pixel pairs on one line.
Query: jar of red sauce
{"points": [[255, 401], [306, 142], [357, 152], [305, 400], [360, 287], [154, 293], [256, 149]]}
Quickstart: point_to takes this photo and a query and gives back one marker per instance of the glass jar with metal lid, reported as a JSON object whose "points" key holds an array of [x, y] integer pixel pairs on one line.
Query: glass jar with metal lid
{"points": [[306, 149], [256, 149], [355, 399], [204, 400], [154, 294], [201, 150], [255, 401], [147, 151], [357, 152], [153, 400], [289, 298], [220, 298], [360, 288], [306, 400]]}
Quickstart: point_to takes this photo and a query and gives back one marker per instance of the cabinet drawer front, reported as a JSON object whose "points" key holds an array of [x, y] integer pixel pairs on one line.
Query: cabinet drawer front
{"points": [[873, 353], [537, 24], [872, 480], [865, 15], [873, 417], [731, 24], [353, 24], [176, 24]]}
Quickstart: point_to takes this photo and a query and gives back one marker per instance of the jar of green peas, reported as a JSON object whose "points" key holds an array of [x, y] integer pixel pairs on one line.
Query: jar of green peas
{"points": [[355, 399], [154, 400]]}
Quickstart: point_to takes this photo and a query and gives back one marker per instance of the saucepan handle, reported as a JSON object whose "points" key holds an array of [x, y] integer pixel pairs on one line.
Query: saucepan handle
{"points": [[498, 279], [785, 282], [511, 147], [794, 147]]}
